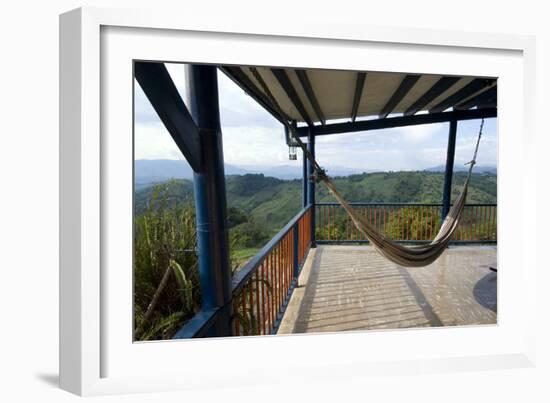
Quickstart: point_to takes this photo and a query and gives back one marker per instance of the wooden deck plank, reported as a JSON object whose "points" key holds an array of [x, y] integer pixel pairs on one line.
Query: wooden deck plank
{"points": [[354, 288]]}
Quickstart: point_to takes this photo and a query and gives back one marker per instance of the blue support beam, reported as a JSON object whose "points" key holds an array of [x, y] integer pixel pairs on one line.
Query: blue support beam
{"points": [[156, 83], [237, 75], [442, 85], [451, 146], [482, 100], [304, 179], [210, 199], [306, 85], [284, 80], [465, 92], [311, 184], [399, 121], [408, 82], [359, 85]]}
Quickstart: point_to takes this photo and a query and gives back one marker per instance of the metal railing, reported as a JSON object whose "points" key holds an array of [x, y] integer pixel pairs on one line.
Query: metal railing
{"points": [[262, 287], [404, 222]]}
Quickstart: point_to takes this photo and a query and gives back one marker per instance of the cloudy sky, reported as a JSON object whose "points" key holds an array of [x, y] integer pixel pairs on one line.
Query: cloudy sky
{"points": [[252, 137]]}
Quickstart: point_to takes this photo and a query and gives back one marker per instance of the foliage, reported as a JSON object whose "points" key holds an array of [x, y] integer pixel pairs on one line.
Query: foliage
{"points": [[410, 223], [272, 202], [406, 223], [164, 239], [249, 235]]}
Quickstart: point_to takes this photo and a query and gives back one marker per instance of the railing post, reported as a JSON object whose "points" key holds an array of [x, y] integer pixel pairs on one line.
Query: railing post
{"points": [[295, 241], [451, 145], [210, 198], [311, 184], [304, 180]]}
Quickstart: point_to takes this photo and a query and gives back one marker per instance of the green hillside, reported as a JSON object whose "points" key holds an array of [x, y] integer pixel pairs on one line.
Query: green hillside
{"points": [[270, 203]]}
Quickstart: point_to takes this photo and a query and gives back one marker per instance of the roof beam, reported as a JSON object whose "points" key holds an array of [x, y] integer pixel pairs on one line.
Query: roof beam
{"points": [[399, 121], [308, 89], [442, 85], [408, 82], [488, 97], [284, 80], [159, 88], [359, 85], [240, 78], [465, 92]]}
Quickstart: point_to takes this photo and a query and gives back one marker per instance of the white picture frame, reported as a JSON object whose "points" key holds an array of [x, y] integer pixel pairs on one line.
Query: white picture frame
{"points": [[88, 35]]}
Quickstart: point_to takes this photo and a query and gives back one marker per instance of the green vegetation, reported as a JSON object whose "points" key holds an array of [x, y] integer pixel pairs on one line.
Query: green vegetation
{"points": [[166, 283], [242, 255], [263, 205], [166, 291]]}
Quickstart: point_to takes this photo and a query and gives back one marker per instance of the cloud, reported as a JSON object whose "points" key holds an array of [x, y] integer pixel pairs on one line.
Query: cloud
{"points": [[251, 136], [144, 112], [254, 146], [152, 141]]}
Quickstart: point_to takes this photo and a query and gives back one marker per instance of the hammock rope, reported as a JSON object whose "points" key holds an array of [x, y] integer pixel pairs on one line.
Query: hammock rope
{"points": [[411, 256]]}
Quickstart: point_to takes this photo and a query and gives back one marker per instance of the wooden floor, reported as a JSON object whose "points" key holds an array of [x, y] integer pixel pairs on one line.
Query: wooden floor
{"points": [[354, 288]]}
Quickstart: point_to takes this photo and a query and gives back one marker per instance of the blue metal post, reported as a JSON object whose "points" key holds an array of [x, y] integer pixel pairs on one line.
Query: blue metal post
{"points": [[210, 198], [311, 184], [304, 179], [451, 145]]}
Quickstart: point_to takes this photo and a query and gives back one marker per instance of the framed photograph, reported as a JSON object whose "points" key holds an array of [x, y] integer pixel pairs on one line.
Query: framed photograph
{"points": [[313, 203]]}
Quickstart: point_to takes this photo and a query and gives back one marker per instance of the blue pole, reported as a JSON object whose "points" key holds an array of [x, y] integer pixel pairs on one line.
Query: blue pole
{"points": [[311, 184], [447, 185], [210, 198], [304, 179]]}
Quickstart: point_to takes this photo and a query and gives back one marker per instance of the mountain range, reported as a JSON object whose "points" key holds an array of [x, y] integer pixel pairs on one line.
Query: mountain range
{"points": [[147, 172], [154, 171], [464, 168]]}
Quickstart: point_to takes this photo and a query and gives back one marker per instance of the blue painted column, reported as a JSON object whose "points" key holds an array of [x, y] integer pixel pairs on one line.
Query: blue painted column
{"points": [[210, 198], [311, 184], [447, 185], [304, 179]]}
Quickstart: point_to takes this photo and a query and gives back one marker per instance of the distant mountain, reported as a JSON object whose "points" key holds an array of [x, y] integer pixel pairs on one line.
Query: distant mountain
{"points": [[464, 168], [154, 171], [295, 171]]}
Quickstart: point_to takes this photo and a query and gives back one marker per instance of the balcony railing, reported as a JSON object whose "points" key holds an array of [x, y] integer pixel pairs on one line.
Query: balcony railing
{"points": [[262, 287], [405, 222]]}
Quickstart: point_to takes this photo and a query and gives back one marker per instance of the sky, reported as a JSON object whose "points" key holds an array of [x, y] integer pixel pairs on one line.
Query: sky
{"points": [[252, 137]]}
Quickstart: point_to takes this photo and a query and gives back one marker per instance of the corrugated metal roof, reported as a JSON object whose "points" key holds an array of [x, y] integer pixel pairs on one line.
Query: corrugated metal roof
{"points": [[333, 91]]}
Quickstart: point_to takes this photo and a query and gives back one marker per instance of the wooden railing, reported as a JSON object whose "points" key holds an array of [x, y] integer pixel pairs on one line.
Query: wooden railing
{"points": [[262, 287], [411, 222]]}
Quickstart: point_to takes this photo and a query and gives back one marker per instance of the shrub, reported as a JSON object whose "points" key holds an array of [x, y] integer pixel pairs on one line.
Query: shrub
{"points": [[165, 267]]}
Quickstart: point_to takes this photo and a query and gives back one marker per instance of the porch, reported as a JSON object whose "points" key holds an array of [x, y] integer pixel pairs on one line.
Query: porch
{"points": [[343, 288], [298, 282]]}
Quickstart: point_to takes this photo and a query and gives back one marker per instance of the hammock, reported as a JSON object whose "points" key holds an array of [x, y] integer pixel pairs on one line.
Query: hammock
{"points": [[411, 256]]}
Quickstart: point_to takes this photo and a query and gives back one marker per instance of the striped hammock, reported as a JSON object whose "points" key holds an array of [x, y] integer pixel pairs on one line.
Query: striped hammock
{"points": [[408, 256]]}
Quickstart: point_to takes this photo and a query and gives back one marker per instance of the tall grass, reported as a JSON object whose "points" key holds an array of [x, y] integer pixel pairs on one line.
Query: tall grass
{"points": [[166, 283]]}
